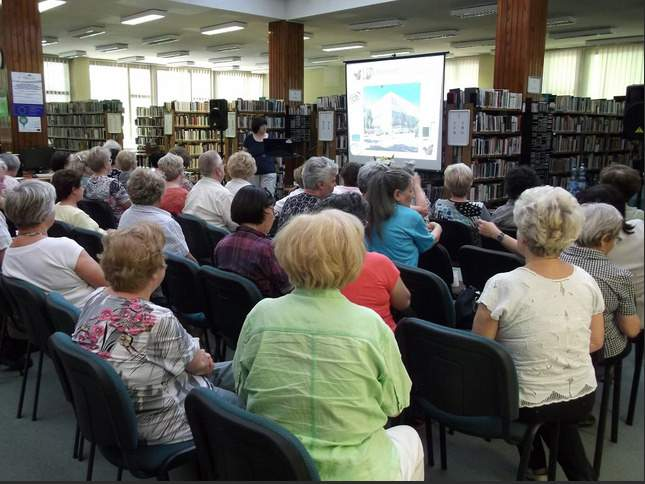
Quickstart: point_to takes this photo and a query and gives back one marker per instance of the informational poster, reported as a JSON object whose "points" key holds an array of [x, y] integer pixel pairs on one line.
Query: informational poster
{"points": [[295, 95], [230, 130], [27, 90], [459, 127], [325, 125], [29, 124], [534, 85], [114, 123], [167, 124]]}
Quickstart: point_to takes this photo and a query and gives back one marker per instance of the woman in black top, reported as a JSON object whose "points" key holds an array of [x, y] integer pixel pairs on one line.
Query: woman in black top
{"points": [[265, 177]]}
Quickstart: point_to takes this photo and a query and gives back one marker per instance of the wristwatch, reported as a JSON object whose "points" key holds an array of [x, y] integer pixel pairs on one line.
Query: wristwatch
{"points": [[500, 237]]}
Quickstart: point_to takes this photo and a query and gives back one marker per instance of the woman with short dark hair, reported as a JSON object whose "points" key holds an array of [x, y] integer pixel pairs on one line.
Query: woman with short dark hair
{"points": [[517, 180], [349, 178], [248, 251], [68, 193], [265, 176]]}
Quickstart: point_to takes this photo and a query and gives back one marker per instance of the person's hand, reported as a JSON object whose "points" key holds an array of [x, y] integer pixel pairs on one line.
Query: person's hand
{"points": [[423, 210], [416, 180], [435, 228], [488, 229], [204, 363]]}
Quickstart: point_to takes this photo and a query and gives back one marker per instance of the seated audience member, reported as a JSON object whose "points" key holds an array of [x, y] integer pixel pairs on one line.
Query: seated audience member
{"points": [[78, 162], [208, 199], [51, 263], [366, 172], [59, 160], [628, 181], [379, 285], [517, 180], [5, 237], [154, 157], [420, 202], [393, 228], [125, 162], [548, 315], [323, 367], [240, 167], [601, 228], [157, 359], [68, 193], [628, 251], [319, 179], [348, 176], [297, 190], [145, 188], [248, 251], [174, 197], [114, 148], [7, 176], [458, 178], [187, 159], [102, 187]]}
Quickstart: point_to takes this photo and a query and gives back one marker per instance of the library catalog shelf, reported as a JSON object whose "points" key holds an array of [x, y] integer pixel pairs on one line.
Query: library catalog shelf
{"points": [[496, 133]]}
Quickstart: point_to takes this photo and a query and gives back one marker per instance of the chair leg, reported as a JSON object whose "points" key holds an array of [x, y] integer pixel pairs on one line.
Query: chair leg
{"points": [[25, 371], [602, 421], [429, 447], [615, 406], [81, 449], [77, 438], [442, 446], [553, 453], [39, 374], [636, 379], [119, 474], [525, 451], [90, 462]]}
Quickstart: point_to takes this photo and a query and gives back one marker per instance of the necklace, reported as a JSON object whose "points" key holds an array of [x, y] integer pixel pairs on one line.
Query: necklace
{"points": [[32, 234]]}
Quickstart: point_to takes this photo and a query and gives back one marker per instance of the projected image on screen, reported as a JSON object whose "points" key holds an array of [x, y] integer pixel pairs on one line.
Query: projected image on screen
{"points": [[395, 109]]}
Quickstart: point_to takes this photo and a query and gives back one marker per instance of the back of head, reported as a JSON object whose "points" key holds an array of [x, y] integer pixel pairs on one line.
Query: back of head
{"points": [[625, 178], [65, 181], [249, 204], [349, 174], [297, 175], [153, 158], [132, 256], [208, 161], [605, 193], [241, 165], [458, 178], [548, 219], [366, 172], [336, 239], [351, 203], [11, 161], [519, 179], [59, 160], [126, 160], [30, 203], [98, 159], [145, 186], [172, 166], [602, 222], [112, 145], [183, 153], [380, 196], [317, 169]]}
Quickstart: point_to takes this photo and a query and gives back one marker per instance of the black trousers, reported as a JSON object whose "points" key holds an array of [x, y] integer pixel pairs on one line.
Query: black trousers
{"points": [[571, 452]]}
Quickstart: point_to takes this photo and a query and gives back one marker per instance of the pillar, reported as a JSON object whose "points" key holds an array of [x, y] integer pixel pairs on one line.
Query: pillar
{"points": [[20, 40], [519, 43], [79, 79], [286, 59]]}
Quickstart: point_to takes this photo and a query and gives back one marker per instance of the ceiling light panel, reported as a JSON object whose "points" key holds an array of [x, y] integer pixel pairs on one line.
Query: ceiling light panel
{"points": [[343, 46], [87, 32], [72, 54], [307, 35], [173, 53], [616, 40], [132, 58], [225, 60], [478, 11], [160, 39], [390, 52], [376, 25], [224, 48], [48, 40], [45, 5], [323, 60], [143, 17], [181, 63], [572, 34], [473, 43], [223, 28], [560, 21], [116, 47], [436, 34]]}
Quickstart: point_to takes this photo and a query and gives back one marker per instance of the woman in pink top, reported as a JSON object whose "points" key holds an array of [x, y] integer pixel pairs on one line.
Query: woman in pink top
{"points": [[174, 197], [379, 285]]}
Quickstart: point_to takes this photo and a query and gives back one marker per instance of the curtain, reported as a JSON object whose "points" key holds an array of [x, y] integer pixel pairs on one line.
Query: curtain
{"points": [[56, 78], [561, 71], [607, 71], [461, 72], [173, 85], [231, 85]]}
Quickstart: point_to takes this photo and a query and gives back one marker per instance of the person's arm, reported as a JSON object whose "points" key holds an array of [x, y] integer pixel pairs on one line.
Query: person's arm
{"points": [[421, 203], [484, 324], [201, 364], [120, 194], [629, 325], [436, 230], [395, 381], [400, 296], [627, 315], [490, 230], [89, 270], [597, 332]]}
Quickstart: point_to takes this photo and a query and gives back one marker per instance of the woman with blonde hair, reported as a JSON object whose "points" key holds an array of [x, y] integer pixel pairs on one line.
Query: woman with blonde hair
{"points": [[240, 167], [326, 369]]}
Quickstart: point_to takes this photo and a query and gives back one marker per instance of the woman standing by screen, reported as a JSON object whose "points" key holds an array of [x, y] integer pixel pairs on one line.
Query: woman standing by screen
{"points": [[265, 176]]}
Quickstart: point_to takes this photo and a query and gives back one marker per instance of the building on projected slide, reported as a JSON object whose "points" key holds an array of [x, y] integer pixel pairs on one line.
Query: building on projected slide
{"points": [[391, 114]]}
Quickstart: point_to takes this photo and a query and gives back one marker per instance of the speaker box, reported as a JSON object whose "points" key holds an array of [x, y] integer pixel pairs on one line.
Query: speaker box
{"points": [[633, 118], [218, 114]]}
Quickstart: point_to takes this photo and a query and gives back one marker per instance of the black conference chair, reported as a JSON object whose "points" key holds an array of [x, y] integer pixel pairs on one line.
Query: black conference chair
{"points": [[197, 237], [636, 378], [60, 229], [437, 260], [430, 296], [477, 393], [215, 234], [100, 212], [90, 240], [454, 235], [229, 298], [236, 445], [105, 414], [478, 264], [185, 294]]}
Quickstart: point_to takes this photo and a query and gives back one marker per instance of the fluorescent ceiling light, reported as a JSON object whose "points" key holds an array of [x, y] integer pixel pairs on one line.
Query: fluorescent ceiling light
{"points": [[224, 60], [616, 40], [262, 64], [224, 48], [72, 54], [132, 58], [45, 5], [571, 34], [173, 53], [223, 28], [437, 34], [559, 21], [143, 17], [390, 52], [307, 35], [160, 39], [112, 47], [473, 43], [87, 32], [323, 60], [387, 23], [343, 46], [47, 40], [479, 11], [181, 63]]}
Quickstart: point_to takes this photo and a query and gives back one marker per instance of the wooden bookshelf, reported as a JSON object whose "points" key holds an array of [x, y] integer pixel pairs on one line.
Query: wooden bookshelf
{"points": [[150, 132], [338, 148]]}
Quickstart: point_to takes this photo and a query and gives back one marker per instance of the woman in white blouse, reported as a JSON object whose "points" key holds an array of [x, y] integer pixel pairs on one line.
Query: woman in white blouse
{"points": [[548, 315]]}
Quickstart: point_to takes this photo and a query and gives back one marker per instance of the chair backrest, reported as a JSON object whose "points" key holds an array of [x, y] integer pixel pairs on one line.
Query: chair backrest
{"points": [[478, 264], [215, 234], [197, 238], [431, 298], [461, 379], [30, 303], [454, 235], [104, 409], [60, 229], [437, 260], [236, 445], [229, 298], [182, 286], [100, 212], [90, 240], [7, 307]]}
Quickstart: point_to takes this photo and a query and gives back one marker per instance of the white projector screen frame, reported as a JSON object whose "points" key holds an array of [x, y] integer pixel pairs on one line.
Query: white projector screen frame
{"points": [[412, 83]]}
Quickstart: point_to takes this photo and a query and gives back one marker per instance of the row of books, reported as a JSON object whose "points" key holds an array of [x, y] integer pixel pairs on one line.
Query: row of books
{"points": [[77, 145], [484, 192], [332, 102], [196, 134], [341, 120], [499, 98], [341, 142], [563, 143], [273, 122], [299, 128], [152, 111], [242, 134], [262, 105], [587, 124], [603, 143], [87, 120], [150, 131], [148, 121], [80, 107], [491, 122], [183, 106], [191, 120], [149, 140], [302, 110], [496, 146], [587, 105], [197, 150], [492, 168], [77, 133], [341, 159]]}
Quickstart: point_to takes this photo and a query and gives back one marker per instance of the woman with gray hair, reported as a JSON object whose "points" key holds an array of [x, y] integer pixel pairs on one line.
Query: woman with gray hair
{"points": [[145, 188], [12, 165], [102, 187], [602, 226], [548, 315], [53, 264], [319, 179], [174, 197]]}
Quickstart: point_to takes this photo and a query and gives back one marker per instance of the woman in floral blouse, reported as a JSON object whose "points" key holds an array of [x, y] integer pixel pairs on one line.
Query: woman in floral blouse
{"points": [[158, 360]]}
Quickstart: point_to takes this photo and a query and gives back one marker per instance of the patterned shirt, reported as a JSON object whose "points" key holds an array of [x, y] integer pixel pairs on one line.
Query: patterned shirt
{"points": [[303, 203], [617, 290], [150, 351], [503, 216], [108, 190], [249, 253], [175, 240], [465, 212]]}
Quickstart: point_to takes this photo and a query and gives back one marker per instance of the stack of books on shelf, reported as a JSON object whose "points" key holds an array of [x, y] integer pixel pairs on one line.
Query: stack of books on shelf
{"points": [[188, 107], [538, 134], [499, 99], [495, 123], [205, 134], [191, 120], [273, 110], [493, 146], [337, 103], [245, 121], [492, 169], [261, 106], [299, 119], [149, 123], [487, 192]]}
